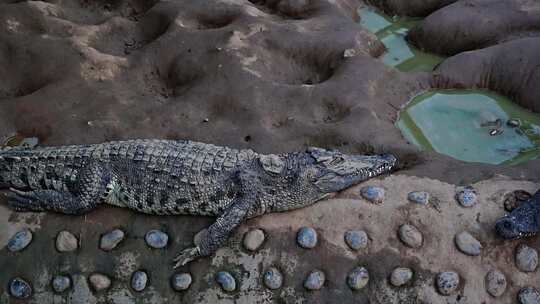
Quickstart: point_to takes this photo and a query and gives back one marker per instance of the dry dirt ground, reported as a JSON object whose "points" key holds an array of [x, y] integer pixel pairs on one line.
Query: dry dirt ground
{"points": [[274, 76]]}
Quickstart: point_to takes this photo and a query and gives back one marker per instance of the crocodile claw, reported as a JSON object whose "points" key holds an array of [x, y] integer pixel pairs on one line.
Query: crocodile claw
{"points": [[187, 255]]}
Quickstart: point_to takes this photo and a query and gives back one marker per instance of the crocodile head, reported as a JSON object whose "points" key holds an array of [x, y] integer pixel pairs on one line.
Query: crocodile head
{"points": [[522, 221], [332, 171]]}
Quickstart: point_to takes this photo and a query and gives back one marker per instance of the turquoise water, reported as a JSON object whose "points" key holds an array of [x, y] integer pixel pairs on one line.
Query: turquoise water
{"points": [[458, 123], [391, 32]]}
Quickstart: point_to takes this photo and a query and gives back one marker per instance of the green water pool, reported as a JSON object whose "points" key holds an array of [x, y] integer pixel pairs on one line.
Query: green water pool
{"points": [[472, 125], [392, 32]]}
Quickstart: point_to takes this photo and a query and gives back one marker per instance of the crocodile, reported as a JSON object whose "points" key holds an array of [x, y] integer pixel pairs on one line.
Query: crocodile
{"points": [[523, 221], [167, 177]]}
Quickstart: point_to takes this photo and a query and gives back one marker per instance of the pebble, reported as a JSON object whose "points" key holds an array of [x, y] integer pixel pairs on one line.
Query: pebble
{"points": [[468, 244], [272, 278], [447, 282], [356, 239], [315, 280], [20, 240], [373, 194], [358, 278], [411, 236], [139, 279], [181, 281], [529, 295], [29, 142], [419, 197], [513, 123], [401, 276], [526, 258], [467, 197], [19, 288], [156, 239], [226, 280], [110, 240], [99, 281], [306, 237], [61, 283], [66, 241], [253, 239], [495, 283]]}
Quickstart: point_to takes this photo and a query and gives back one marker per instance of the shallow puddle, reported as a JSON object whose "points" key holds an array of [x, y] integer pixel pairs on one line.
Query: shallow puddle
{"points": [[472, 125], [392, 32]]}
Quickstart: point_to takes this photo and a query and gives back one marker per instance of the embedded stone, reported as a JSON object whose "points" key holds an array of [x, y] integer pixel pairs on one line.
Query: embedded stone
{"points": [[467, 197], [139, 279], [529, 295], [419, 197], [66, 241], [110, 240], [226, 281], [495, 283], [306, 237], [401, 276], [447, 282], [467, 244], [61, 283], [253, 239], [315, 280], [181, 281], [526, 258], [19, 288], [410, 236], [272, 278], [513, 123], [156, 239], [19, 240], [356, 239], [373, 194], [99, 281], [358, 278]]}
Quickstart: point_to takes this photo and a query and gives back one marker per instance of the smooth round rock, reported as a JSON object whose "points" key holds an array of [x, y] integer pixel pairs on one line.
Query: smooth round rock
{"points": [[19, 288], [181, 281], [156, 239], [99, 281], [447, 282], [356, 239], [226, 281], [110, 240], [315, 280], [513, 123], [253, 239], [526, 258], [401, 276], [139, 279], [468, 244], [66, 241], [373, 194], [19, 240], [61, 283], [467, 197], [529, 295], [419, 197], [358, 278], [272, 278], [495, 283], [410, 236], [306, 237]]}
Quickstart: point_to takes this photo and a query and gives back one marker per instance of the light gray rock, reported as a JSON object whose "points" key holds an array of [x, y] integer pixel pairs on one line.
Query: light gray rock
{"points": [[358, 278], [181, 281], [495, 283], [99, 281], [410, 236], [529, 295], [272, 278], [139, 280], [419, 197], [467, 197], [356, 239], [156, 239], [468, 244], [110, 240], [19, 240], [315, 280], [306, 237], [447, 282], [226, 281], [61, 283], [19, 288], [526, 258], [373, 194], [401, 276], [66, 241], [253, 239]]}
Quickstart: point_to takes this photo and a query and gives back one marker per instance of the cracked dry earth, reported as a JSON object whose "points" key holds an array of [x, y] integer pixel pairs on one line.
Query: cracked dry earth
{"points": [[274, 76]]}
